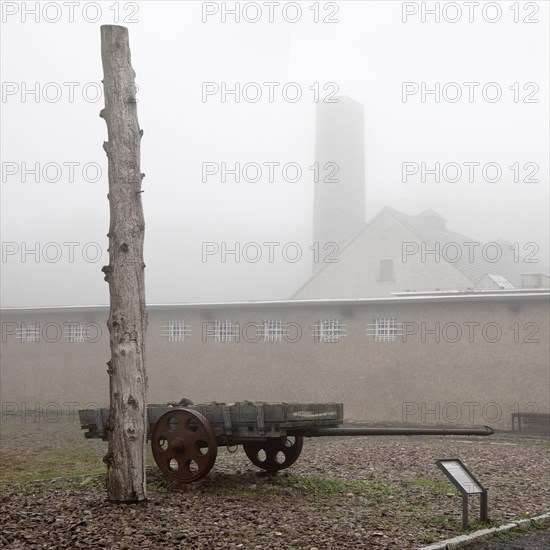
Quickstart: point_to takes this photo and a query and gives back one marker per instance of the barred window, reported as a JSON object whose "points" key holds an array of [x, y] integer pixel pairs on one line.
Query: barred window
{"points": [[176, 331], [76, 332], [385, 329], [29, 333], [226, 331], [273, 330], [328, 330]]}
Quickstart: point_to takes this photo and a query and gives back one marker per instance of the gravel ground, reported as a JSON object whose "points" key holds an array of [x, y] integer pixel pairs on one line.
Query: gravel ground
{"points": [[377, 492]]}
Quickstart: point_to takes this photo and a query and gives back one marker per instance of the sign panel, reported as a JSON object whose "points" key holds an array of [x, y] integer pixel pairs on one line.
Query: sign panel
{"points": [[460, 475]]}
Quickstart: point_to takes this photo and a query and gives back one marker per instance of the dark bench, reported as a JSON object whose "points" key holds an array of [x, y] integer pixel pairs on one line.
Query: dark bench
{"points": [[538, 423]]}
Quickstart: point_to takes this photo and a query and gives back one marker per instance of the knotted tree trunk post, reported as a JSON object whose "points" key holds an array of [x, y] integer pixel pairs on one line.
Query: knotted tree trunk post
{"points": [[126, 461]]}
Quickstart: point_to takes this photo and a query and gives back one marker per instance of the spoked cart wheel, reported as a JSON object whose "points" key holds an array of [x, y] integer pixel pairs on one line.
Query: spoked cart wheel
{"points": [[184, 445], [275, 453]]}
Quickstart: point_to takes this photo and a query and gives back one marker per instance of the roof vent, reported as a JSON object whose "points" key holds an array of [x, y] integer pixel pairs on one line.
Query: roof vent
{"points": [[433, 218], [535, 280], [493, 282]]}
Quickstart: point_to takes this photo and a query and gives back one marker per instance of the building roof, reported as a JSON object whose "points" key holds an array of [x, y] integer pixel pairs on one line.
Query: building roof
{"points": [[507, 266], [397, 298], [430, 228], [490, 281]]}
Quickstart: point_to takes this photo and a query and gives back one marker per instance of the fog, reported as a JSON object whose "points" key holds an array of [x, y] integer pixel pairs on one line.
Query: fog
{"points": [[366, 55]]}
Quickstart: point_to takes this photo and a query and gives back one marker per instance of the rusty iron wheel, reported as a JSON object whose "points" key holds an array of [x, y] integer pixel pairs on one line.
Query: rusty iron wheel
{"points": [[184, 445], [274, 454]]}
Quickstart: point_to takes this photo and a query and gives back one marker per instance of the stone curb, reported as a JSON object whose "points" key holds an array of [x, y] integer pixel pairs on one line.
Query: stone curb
{"points": [[462, 540]]}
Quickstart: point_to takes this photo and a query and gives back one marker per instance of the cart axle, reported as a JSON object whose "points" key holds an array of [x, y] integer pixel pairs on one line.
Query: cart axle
{"points": [[336, 432]]}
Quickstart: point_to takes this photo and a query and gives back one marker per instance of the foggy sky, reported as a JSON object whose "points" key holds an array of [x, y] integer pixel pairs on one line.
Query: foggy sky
{"points": [[369, 53]]}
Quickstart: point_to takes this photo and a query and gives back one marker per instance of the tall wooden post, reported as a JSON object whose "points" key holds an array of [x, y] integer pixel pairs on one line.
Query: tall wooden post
{"points": [[127, 321]]}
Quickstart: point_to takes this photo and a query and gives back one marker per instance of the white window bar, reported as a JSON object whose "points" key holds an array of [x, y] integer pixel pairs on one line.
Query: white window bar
{"points": [[385, 329], [76, 332], [273, 330], [328, 330], [176, 331], [226, 331], [29, 333]]}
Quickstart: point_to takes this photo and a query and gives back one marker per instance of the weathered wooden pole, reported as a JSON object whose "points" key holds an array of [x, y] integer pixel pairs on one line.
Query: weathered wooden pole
{"points": [[127, 321]]}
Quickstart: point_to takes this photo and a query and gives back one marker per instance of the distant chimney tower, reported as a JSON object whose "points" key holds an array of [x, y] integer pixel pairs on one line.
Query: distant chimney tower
{"points": [[339, 208]]}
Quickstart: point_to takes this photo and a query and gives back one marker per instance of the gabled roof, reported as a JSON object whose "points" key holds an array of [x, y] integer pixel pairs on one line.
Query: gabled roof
{"points": [[429, 227], [476, 267], [490, 282]]}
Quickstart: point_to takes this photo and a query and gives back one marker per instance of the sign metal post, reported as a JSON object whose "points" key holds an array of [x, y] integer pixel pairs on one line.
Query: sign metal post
{"points": [[467, 484]]}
